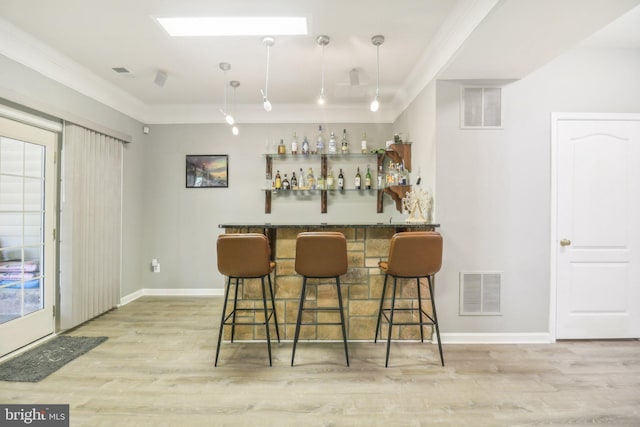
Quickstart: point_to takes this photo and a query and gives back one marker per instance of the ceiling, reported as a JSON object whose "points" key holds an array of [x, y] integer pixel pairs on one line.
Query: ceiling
{"points": [[462, 39]]}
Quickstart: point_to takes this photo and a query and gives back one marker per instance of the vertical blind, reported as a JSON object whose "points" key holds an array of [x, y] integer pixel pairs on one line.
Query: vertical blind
{"points": [[90, 225]]}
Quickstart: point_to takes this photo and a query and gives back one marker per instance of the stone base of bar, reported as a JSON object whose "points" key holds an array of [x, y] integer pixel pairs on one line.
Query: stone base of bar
{"points": [[361, 287]]}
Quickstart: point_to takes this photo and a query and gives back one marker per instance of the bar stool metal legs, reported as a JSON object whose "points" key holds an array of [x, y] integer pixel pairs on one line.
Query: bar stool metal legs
{"points": [[268, 314], [246, 256], [430, 320], [299, 323], [332, 262], [412, 255]]}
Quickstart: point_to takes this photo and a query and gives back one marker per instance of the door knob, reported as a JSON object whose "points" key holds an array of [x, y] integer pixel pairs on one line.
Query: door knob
{"points": [[565, 242]]}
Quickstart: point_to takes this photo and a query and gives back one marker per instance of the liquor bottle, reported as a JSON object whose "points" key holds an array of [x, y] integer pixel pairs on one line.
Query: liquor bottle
{"points": [[358, 181], [311, 182], [294, 144], [278, 184], [294, 181], [367, 179], [281, 148], [330, 181], [320, 183], [345, 143], [363, 144], [332, 144], [285, 183], [319, 142], [305, 146], [340, 180], [302, 184], [380, 173]]}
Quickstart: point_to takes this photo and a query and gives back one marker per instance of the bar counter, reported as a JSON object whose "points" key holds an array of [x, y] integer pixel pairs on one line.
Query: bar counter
{"points": [[367, 243]]}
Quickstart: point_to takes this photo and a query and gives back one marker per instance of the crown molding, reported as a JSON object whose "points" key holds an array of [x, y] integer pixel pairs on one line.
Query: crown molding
{"points": [[36, 55], [464, 19], [281, 113]]}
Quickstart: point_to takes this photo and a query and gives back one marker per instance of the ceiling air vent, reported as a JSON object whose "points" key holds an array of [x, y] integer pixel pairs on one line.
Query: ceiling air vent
{"points": [[480, 293]]}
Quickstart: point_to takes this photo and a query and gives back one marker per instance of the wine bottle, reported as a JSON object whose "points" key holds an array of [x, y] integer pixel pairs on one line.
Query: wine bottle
{"points": [[278, 184], [345, 142], [294, 181], [294, 144], [358, 181], [363, 144], [367, 179], [340, 180], [285, 183], [332, 144], [305, 146], [330, 181]]}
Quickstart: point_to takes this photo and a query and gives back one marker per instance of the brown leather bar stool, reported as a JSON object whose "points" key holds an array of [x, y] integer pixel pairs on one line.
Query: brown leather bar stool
{"points": [[246, 256], [413, 255], [321, 255]]}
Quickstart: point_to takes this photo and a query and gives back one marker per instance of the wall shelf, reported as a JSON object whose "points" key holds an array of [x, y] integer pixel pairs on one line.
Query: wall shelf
{"points": [[398, 153]]}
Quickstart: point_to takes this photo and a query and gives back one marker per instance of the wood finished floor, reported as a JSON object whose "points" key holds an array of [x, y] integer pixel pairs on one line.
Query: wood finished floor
{"points": [[156, 369]]}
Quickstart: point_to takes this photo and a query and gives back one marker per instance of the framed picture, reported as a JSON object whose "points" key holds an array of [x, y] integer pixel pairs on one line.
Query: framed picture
{"points": [[207, 171]]}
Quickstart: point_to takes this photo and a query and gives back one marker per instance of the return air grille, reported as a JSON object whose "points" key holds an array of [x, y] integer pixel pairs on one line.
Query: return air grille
{"points": [[480, 293]]}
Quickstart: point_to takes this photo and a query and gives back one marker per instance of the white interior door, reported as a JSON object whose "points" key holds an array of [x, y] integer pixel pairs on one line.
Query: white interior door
{"points": [[27, 221], [598, 228]]}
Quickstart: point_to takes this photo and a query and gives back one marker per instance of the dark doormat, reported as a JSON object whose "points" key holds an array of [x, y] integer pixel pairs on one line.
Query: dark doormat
{"points": [[40, 362]]}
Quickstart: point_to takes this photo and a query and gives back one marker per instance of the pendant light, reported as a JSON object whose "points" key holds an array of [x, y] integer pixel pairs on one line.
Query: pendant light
{"points": [[268, 42], [322, 41], [377, 41], [234, 84], [225, 66]]}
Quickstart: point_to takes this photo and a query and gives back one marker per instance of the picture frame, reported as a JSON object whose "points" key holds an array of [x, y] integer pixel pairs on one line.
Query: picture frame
{"points": [[207, 171]]}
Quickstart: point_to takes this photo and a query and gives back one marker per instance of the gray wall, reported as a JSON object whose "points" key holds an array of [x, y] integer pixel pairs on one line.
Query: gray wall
{"points": [[181, 225], [24, 86], [418, 124], [493, 186]]}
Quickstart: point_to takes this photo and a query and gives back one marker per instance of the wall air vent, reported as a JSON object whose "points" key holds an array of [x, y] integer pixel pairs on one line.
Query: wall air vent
{"points": [[480, 293], [481, 108]]}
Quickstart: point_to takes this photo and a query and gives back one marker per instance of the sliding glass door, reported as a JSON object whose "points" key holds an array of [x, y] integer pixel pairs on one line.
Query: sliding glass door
{"points": [[27, 240]]}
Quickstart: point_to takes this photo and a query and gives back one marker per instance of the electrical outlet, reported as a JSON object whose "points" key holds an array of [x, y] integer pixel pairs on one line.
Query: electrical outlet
{"points": [[155, 266]]}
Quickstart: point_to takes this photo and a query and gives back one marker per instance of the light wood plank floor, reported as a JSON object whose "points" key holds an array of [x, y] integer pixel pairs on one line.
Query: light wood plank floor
{"points": [[156, 369]]}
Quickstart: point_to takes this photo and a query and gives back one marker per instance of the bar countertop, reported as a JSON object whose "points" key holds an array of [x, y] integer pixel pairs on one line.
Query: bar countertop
{"points": [[331, 225]]}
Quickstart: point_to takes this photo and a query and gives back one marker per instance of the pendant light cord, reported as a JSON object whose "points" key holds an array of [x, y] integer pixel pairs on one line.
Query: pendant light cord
{"points": [[322, 90], [266, 84], [377, 69], [225, 92]]}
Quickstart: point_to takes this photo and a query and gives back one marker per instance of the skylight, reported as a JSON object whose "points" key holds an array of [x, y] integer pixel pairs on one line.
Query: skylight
{"points": [[234, 26]]}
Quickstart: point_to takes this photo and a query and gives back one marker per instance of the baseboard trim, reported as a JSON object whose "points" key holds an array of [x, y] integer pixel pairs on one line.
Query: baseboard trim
{"points": [[497, 338], [447, 338], [169, 292]]}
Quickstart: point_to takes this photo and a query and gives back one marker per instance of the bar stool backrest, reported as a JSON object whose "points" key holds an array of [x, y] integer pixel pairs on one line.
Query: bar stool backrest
{"points": [[243, 255], [321, 254], [415, 254]]}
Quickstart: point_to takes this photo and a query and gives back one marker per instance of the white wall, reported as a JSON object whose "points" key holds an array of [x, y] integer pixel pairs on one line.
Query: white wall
{"points": [[493, 186], [181, 225]]}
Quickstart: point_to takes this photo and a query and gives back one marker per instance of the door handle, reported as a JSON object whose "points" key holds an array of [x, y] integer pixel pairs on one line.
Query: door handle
{"points": [[565, 242]]}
